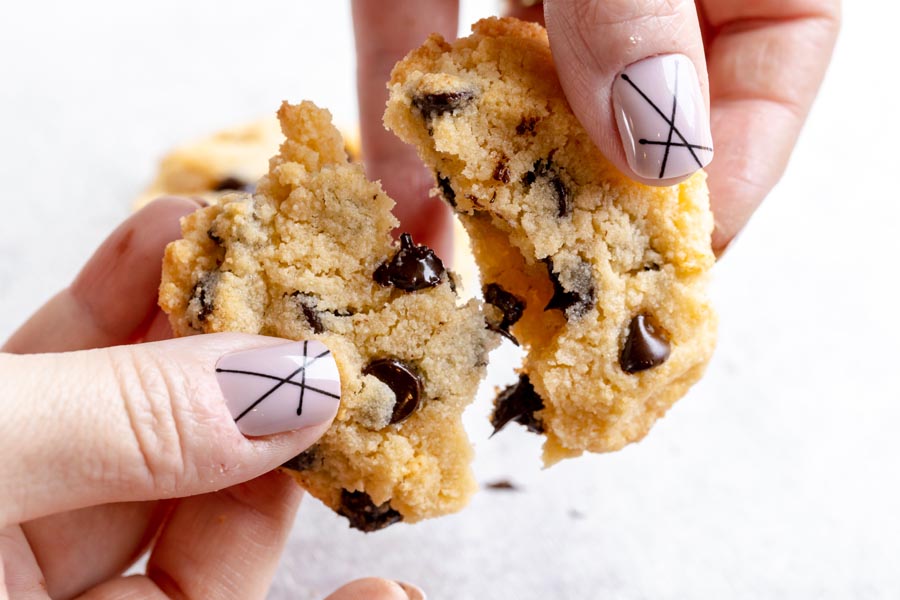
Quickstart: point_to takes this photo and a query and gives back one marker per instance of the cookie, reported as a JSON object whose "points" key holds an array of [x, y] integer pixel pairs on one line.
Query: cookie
{"points": [[309, 256], [229, 160], [602, 280]]}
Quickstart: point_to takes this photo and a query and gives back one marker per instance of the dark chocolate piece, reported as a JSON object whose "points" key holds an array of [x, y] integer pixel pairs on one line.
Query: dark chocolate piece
{"points": [[574, 303], [307, 304], [502, 484], [563, 204], [364, 515], [435, 105], [214, 237], [501, 171], [403, 381], [411, 268], [234, 184], [546, 170], [305, 460], [645, 347], [446, 190], [526, 125], [518, 403], [204, 292], [510, 305]]}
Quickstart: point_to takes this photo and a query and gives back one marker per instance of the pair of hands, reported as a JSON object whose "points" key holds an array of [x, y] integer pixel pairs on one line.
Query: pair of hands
{"points": [[120, 436]]}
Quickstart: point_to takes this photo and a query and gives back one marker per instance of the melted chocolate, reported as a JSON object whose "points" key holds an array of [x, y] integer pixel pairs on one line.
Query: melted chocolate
{"points": [[304, 461], [446, 190], [364, 514], [645, 347], [574, 303], [307, 304], [510, 305], [204, 292], [435, 105], [403, 381], [518, 403], [234, 184], [411, 268]]}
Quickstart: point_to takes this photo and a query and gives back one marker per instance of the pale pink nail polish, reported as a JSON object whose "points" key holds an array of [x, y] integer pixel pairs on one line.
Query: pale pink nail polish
{"points": [[662, 117], [280, 388]]}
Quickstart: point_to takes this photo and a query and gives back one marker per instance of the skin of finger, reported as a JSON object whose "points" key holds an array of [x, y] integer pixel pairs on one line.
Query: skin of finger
{"points": [[113, 535], [766, 63], [155, 427], [115, 291], [593, 41], [20, 575], [384, 36], [159, 328], [226, 545], [370, 588], [516, 9]]}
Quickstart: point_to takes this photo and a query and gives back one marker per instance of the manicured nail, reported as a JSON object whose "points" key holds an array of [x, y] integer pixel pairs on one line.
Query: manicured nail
{"points": [[662, 117], [280, 388], [414, 592]]}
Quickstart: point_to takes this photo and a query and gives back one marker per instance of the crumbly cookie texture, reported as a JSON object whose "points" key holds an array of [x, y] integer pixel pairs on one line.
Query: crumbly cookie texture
{"points": [[309, 256], [601, 279]]}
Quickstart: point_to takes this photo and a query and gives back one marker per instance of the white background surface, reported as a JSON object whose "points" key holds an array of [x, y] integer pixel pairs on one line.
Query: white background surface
{"points": [[777, 477]]}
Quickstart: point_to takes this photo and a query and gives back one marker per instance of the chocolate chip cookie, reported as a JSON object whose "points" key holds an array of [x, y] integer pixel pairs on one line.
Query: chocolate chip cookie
{"points": [[229, 160], [602, 280], [309, 256]]}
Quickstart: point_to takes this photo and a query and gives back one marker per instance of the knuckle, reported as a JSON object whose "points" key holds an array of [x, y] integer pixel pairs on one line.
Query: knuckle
{"points": [[150, 393]]}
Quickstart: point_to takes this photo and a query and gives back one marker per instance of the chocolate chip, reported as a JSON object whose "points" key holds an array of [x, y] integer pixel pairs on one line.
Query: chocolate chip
{"points": [[563, 204], [526, 125], [307, 303], [412, 267], [446, 190], [518, 403], [364, 514], [546, 170], [509, 305], [502, 484], [234, 184], [214, 237], [204, 293], [645, 347], [305, 460], [501, 171], [435, 105], [403, 381], [572, 302]]}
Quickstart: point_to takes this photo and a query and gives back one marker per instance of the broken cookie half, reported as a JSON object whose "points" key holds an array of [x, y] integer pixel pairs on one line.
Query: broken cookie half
{"points": [[309, 256], [602, 280]]}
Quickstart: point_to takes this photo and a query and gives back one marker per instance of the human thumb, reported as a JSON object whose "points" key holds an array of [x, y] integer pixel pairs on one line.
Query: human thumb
{"points": [[634, 73], [157, 420]]}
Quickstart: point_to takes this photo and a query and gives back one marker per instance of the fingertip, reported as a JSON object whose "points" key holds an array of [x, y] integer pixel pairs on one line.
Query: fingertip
{"points": [[374, 588]]}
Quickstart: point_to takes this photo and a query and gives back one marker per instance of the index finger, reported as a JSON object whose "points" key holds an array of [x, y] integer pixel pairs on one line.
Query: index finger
{"points": [[766, 60]]}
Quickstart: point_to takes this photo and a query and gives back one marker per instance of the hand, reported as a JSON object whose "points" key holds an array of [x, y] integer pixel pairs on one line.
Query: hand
{"points": [[111, 449], [758, 65]]}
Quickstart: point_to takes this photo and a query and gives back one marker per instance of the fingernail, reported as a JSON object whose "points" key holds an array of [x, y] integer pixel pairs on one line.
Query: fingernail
{"points": [[662, 117], [414, 592], [280, 388]]}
